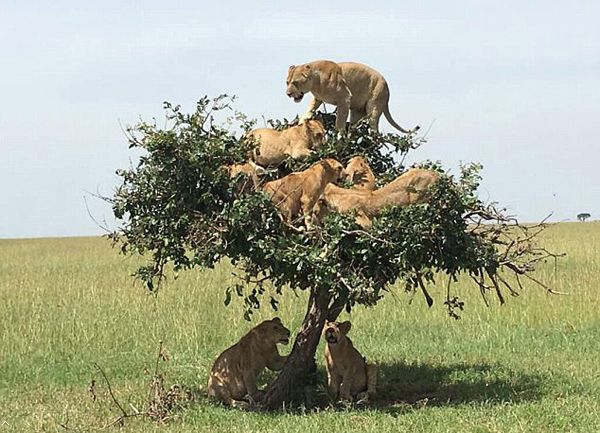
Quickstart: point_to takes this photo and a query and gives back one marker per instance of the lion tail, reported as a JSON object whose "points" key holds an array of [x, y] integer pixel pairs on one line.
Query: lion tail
{"points": [[392, 122], [371, 379]]}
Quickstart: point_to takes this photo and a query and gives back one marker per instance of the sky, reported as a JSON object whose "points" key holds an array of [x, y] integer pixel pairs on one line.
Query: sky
{"points": [[513, 85]]}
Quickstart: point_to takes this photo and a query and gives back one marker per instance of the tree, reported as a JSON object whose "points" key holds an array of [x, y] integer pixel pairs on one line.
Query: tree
{"points": [[178, 206], [583, 216]]}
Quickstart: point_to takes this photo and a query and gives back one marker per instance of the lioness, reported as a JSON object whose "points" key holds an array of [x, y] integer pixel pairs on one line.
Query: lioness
{"points": [[234, 373], [300, 191], [348, 375], [248, 169], [360, 173], [346, 200], [296, 141], [408, 188], [354, 88]]}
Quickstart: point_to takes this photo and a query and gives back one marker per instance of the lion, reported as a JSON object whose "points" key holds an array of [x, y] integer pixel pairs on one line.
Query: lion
{"points": [[249, 170], [408, 188], [349, 376], [354, 88], [299, 191], [345, 200], [296, 142], [234, 373], [360, 173]]}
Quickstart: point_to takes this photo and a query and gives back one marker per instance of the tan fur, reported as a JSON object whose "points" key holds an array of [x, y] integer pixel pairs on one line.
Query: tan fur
{"points": [[299, 191], [345, 200], [408, 188], [359, 172], [348, 374], [354, 88], [272, 146], [248, 169], [234, 169], [234, 373]]}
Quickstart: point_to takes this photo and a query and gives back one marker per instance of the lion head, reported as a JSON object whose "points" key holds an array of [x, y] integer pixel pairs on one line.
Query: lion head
{"points": [[315, 131], [334, 332], [359, 172], [335, 168], [271, 332], [299, 81]]}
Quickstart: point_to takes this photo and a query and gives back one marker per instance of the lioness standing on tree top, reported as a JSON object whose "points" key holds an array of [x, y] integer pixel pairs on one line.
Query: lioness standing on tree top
{"points": [[353, 88]]}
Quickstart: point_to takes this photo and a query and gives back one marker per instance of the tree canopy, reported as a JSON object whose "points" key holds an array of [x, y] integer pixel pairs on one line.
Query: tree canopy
{"points": [[179, 206]]}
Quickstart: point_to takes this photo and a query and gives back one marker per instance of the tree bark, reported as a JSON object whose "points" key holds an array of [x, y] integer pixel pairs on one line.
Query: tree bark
{"points": [[335, 308], [289, 387]]}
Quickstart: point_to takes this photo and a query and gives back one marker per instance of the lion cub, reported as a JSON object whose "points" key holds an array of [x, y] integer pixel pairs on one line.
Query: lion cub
{"points": [[273, 147], [234, 373], [299, 191], [360, 173], [348, 375]]}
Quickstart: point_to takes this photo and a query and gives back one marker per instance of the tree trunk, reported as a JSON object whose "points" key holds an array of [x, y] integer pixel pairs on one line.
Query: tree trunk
{"points": [[335, 308], [289, 387]]}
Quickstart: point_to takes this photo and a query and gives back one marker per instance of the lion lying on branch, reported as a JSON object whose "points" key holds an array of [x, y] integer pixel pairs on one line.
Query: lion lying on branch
{"points": [[273, 147], [408, 188]]}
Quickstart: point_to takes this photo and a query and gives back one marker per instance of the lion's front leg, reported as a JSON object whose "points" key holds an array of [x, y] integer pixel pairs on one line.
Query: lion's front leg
{"points": [[310, 111], [345, 391], [298, 152], [251, 388], [333, 383], [276, 362], [343, 109], [307, 203]]}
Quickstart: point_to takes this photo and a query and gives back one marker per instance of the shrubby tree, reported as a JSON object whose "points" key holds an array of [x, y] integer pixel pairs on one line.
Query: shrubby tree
{"points": [[583, 216], [179, 207]]}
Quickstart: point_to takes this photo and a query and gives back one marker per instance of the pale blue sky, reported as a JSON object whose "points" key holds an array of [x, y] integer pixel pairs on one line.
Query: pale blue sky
{"points": [[514, 85]]}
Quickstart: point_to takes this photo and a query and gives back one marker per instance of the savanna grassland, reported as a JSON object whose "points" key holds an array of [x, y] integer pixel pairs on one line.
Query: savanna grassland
{"points": [[530, 365]]}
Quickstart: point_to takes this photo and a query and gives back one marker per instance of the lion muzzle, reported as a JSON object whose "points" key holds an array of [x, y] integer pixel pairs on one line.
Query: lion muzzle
{"points": [[330, 336], [296, 96]]}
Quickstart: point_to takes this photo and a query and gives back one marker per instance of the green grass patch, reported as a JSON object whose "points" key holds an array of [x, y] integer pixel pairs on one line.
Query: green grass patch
{"points": [[65, 304]]}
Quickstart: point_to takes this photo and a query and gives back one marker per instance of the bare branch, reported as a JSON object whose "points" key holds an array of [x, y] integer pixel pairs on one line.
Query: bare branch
{"points": [[428, 298], [482, 288], [103, 227], [124, 413], [497, 287]]}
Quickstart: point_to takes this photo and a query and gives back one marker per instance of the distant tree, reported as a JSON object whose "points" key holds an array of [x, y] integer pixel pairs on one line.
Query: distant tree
{"points": [[178, 206], [583, 216]]}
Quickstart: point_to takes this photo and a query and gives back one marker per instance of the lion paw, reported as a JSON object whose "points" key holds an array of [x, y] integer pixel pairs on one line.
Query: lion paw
{"points": [[240, 404], [362, 398]]}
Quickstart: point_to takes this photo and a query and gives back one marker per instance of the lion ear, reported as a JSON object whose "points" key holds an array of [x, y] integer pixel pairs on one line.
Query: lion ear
{"points": [[306, 70], [345, 327], [291, 68], [307, 125]]}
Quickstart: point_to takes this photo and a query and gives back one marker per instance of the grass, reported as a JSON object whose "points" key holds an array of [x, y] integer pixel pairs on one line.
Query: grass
{"points": [[530, 365]]}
